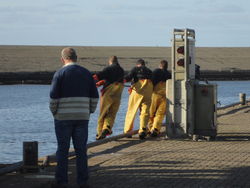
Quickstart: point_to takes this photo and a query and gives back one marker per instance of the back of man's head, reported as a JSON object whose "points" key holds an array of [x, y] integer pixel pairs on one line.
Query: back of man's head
{"points": [[140, 62], [164, 64], [69, 54], [113, 60]]}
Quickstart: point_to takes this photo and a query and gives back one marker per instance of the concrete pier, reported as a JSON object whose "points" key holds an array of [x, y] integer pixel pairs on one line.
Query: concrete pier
{"points": [[130, 162]]}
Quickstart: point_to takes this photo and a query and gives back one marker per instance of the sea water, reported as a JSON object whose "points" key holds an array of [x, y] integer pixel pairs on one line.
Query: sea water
{"points": [[25, 116]]}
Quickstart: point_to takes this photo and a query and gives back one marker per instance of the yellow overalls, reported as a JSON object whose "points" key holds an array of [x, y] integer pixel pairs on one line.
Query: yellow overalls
{"points": [[158, 107], [140, 97], [109, 105]]}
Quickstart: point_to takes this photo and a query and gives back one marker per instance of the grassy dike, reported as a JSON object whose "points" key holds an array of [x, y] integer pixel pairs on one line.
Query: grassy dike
{"points": [[36, 64]]}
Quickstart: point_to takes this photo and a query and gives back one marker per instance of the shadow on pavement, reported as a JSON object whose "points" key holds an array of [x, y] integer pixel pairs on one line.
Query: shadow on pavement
{"points": [[152, 174]]}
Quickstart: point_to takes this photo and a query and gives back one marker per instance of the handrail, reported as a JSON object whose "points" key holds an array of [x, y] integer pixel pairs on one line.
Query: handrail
{"points": [[11, 168], [231, 105]]}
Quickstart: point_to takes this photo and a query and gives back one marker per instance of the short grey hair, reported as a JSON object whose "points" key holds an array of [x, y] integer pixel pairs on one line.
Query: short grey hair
{"points": [[69, 53]]}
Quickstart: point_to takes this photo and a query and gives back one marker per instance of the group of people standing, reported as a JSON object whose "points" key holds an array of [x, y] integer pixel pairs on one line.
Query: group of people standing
{"points": [[74, 96], [147, 94]]}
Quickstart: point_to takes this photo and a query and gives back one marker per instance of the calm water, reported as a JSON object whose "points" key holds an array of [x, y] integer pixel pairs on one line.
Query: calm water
{"points": [[24, 116]]}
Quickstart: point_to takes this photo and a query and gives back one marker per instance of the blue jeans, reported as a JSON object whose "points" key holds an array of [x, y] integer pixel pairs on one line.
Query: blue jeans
{"points": [[78, 131]]}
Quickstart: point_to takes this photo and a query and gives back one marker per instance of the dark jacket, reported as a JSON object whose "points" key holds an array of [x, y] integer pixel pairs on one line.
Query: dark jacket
{"points": [[112, 73], [160, 75], [138, 73]]}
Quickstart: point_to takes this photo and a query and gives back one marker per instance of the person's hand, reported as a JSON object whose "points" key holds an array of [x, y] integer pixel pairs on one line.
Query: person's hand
{"points": [[100, 83], [95, 77], [130, 90]]}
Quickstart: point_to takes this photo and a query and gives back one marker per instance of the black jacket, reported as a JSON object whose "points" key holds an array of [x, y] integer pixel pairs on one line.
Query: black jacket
{"points": [[160, 75], [139, 73], [112, 73]]}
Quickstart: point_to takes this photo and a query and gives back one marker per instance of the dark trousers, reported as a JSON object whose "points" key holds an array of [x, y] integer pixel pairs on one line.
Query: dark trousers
{"points": [[78, 131]]}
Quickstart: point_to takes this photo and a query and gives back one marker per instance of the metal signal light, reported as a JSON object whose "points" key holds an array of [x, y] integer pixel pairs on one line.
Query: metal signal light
{"points": [[180, 62], [180, 50]]}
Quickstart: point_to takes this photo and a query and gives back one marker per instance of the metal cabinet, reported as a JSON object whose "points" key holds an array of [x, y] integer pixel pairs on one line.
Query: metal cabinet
{"points": [[205, 110]]}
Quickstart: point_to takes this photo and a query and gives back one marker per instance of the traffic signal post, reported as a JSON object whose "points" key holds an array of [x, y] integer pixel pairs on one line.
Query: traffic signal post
{"points": [[181, 90]]}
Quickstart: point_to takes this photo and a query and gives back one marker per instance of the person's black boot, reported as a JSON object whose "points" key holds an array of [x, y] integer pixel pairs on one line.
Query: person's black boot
{"points": [[105, 133], [97, 137], [154, 133], [129, 136], [142, 135]]}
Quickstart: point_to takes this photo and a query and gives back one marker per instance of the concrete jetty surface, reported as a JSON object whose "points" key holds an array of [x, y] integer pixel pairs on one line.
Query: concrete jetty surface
{"points": [[163, 163]]}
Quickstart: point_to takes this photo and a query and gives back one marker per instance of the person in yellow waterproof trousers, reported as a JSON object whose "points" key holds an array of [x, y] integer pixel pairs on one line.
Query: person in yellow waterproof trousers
{"points": [[158, 104], [140, 97], [111, 78]]}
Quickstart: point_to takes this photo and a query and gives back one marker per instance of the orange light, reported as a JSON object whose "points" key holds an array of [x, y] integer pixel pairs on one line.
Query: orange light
{"points": [[180, 50], [180, 62]]}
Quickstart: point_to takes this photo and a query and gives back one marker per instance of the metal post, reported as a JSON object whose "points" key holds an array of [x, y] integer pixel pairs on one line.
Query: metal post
{"points": [[242, 98], [173, 84], [30, 156]]}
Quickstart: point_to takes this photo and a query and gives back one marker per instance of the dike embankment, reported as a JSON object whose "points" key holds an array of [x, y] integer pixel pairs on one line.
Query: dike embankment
{"points": [[45, 77], [36, 64]]}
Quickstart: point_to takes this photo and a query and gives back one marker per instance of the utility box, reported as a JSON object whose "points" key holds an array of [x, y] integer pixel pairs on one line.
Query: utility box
{"points": [[180, 114], [205, 110]]}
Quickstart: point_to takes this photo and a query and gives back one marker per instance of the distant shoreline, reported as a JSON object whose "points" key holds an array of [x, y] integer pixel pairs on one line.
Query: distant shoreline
{"points": [[45, 77], [37, 64], [33, 59]]}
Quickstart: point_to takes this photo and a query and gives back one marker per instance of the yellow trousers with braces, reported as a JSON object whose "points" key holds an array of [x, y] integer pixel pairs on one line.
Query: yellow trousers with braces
{"points": [[140, 98], [109, 105], [158, 107]]}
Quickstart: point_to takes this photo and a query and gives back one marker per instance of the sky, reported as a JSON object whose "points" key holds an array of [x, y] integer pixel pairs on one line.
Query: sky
{"points": [[217, 23]]}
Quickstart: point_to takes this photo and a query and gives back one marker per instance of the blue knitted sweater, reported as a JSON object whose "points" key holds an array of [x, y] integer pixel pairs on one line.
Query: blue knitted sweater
{"points": [[73, 94]]}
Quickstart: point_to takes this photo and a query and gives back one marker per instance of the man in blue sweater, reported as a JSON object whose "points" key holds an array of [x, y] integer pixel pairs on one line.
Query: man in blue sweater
{"points": [[73, 96]]}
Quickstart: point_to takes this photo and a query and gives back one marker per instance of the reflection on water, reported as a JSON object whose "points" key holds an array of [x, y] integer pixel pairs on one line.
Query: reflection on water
{"points": [[24, 116]]}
